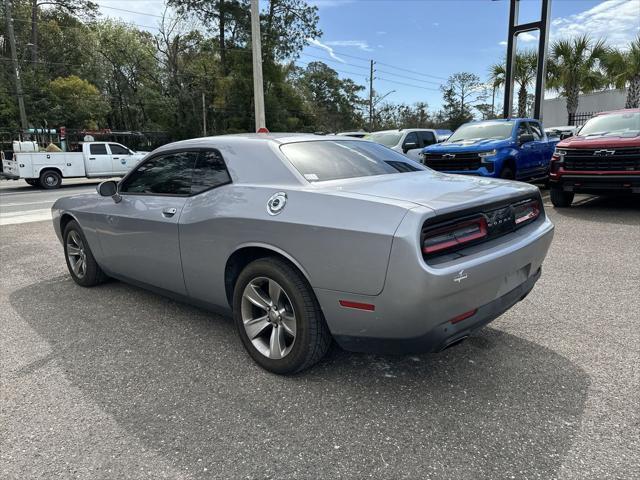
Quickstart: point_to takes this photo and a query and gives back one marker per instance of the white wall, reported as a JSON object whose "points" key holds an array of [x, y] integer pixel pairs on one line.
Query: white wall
{"points": [[554, 110]]}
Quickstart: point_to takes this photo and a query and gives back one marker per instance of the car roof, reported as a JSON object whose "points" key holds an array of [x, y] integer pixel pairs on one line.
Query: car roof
{"points": [[402, 130]]}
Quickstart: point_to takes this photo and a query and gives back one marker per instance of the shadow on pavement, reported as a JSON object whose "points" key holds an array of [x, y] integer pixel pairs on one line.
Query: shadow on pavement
{"points": [[600, 209], [178, 379]]}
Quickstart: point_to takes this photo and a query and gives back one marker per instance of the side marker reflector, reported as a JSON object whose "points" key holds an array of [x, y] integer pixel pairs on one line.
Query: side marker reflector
{"points": [[360, 306], [463, 316]]}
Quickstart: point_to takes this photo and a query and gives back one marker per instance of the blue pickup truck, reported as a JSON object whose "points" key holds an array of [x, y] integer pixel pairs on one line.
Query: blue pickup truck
{"points": [[516, 148]]}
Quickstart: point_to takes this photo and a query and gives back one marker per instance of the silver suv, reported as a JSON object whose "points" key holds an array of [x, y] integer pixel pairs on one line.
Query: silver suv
{"points": [[409, 141]]}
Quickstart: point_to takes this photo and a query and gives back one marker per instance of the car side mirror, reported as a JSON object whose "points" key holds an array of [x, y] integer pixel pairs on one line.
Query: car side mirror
{"points": [[525, 138], [409, 146], [109, 188]]}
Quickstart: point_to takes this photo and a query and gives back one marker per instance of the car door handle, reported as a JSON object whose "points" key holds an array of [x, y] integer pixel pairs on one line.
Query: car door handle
{"points": [[92, 158], [116, 158], [169, 212]]}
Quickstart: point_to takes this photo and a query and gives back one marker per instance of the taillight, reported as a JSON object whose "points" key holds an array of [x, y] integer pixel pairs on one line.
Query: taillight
{"points": [[526, 212], [455, 235]]}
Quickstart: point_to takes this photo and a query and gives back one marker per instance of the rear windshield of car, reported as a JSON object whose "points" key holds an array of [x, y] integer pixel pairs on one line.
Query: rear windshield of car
{"points": [[390, 139], [318, 161], [482, 131], [613, 124]]}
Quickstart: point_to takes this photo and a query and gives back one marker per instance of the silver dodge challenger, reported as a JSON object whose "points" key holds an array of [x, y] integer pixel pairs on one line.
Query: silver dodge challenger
{"points": [[305, 239]]}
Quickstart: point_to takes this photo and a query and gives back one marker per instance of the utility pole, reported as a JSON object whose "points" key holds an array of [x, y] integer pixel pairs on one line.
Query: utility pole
{"points": [[371, 72], [204, 117], [14, 60], [258, 92]]}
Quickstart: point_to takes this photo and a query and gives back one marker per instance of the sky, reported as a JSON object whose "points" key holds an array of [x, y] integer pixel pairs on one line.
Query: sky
{"points": [[417, 44]]}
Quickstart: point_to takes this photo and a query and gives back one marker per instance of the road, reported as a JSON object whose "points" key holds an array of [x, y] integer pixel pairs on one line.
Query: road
{"points": [[22, 203], [115, 382]]}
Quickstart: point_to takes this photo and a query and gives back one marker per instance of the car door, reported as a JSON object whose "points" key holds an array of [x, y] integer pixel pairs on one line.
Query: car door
{"points": [[539, 161], [120, 159], [411, 146], [139, 234], [526, 153], [98, 163]]}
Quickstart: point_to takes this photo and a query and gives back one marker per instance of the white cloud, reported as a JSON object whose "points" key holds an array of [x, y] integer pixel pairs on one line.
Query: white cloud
{"points": [[503, 43], [326, 48], [359, 44], [381, 32], [614, 20], [528, 37], [435, 24]]}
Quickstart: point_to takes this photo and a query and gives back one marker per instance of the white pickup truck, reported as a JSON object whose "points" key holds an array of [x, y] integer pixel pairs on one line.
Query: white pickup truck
{"points": [[47, 169]]}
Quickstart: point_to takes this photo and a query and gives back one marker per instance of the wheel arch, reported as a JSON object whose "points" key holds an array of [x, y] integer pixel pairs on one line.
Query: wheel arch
{"points": [[247, 253], [509, 162], [48, 169]]}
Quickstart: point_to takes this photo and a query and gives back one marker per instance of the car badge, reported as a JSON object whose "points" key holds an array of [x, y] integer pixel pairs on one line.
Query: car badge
{"points": [[276, 203], [460, 276], [604, 153], [449, 156]]}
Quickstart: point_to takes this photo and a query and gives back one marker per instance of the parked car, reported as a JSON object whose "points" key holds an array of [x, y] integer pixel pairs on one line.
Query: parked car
{"points": [[603, 158], [305, 238], [95, 160], [409, 141], [561, 132], [516, 149]]}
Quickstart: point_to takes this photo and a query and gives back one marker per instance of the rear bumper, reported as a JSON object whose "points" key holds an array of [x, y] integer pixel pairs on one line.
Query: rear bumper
{"points": [[597, 183], [444, 334]]}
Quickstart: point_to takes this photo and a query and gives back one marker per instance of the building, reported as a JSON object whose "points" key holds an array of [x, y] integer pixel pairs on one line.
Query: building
{"points": [[554, 110]]}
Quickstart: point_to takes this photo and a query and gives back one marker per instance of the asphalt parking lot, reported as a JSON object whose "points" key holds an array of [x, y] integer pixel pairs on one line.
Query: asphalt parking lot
{"points": [[116, 382]]}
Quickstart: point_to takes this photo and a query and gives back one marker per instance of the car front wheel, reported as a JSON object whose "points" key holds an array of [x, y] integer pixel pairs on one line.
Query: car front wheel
{"points": [[560, 198], [278, 317], [83, 268]]}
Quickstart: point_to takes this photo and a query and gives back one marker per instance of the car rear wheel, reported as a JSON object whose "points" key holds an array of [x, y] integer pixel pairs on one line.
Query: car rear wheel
{"points": [[278, 317], [34, 182], [560, 198], [83, 268], [50, 179]]}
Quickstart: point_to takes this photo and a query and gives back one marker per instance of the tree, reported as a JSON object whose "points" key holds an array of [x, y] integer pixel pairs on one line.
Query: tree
{"points": [[526, 66], [574, 68], [77, 103], [73, 7], [623, 69], [333, 101], [461, 92]]}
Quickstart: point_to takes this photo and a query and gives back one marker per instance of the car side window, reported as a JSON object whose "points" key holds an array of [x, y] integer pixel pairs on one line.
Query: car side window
{"points": [[117, 149], [411, 138], [536, 131], [168, 174], [210, 172], [426, 139], [98, 149], [522, 129]]}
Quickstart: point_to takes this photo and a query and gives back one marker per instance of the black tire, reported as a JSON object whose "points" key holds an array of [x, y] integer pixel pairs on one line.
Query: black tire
{"points": [[312, 338], [507, 173], [93, 274], [560, 198], [34, 182], [50, 179]]}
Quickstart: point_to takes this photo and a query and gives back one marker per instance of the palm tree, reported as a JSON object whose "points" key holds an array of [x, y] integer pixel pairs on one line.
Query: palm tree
{"points": [[524, 74], [574, 67], [623, 68]]}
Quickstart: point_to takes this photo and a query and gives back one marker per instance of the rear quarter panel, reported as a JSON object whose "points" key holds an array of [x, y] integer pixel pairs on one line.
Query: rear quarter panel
{"points": [[330, 236]]}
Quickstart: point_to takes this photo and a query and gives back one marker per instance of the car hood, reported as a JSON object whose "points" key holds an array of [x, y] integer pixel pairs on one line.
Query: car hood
{"points": [[604, 141], [437, 191], [467, 146]]}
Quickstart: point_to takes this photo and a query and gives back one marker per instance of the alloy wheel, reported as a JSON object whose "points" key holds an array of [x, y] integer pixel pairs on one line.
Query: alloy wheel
{"points": [[268, 317], [76, 254]]}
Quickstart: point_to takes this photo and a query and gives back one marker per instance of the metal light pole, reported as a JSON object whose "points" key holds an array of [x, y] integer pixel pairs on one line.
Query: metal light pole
{"points": [[16, 67], [258, 92]]}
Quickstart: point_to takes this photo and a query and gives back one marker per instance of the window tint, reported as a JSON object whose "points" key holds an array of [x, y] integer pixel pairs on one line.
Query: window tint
{"points": [[338, 159], [426, 139], [98, 149], [481, 130], [210, 171], [165, 174], [535, 130], [118, 149], [411, 138], [522, 129]]}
